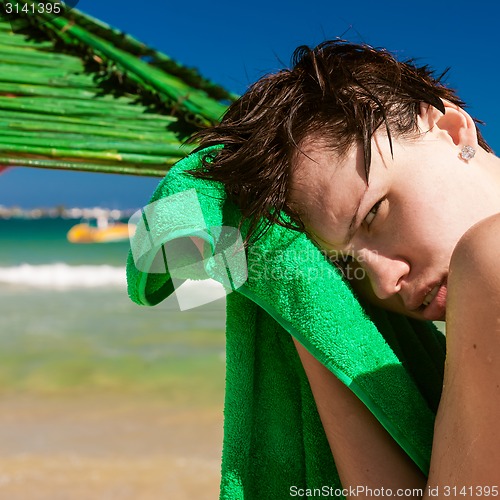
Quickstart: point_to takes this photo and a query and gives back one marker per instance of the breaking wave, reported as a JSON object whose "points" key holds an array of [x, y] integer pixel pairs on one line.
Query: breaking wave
{"points": [[63, 276]]}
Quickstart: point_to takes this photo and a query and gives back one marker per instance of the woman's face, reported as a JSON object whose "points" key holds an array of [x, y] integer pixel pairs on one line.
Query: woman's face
{"points": [[402, 227]]}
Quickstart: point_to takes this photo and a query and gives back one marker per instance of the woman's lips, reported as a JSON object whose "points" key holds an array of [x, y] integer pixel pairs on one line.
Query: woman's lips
{"points": [[436, 310]]}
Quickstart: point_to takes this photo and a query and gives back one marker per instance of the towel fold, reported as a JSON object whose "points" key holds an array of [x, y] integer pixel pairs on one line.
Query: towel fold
{"points": [[283, 287]]}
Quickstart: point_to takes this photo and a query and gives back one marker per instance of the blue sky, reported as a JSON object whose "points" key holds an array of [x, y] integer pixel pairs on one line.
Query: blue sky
{"points": [[234, 43]]}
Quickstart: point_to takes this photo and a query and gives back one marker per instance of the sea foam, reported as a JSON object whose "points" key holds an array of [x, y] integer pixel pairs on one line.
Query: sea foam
{"points": [[63, 276]]}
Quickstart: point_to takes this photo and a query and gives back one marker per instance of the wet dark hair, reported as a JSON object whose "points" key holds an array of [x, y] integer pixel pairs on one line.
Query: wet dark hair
{"points": [[340, 91]]}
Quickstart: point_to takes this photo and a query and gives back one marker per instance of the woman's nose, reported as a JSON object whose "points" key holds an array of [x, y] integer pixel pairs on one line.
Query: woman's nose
{"points": [[386, 274]]}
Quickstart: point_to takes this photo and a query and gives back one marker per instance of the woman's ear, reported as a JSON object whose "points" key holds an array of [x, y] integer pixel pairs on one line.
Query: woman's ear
{"points": [[455, 126]]}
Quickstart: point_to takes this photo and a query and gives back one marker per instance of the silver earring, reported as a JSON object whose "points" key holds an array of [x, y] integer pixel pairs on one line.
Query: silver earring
{"points": [[467, 153]]}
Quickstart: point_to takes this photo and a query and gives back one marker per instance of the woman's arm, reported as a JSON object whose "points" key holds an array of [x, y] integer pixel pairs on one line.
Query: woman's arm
{"points": [[365, 454], [466, 449]]}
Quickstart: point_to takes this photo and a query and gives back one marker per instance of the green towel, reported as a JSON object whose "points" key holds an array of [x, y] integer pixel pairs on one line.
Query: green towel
{"points": [[273, 437]]}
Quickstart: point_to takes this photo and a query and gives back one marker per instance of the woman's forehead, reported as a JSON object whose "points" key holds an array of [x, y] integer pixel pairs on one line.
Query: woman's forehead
{"points": [[327, 191]]}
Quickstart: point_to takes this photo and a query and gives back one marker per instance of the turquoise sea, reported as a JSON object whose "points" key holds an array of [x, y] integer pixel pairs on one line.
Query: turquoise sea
{"points": [[68, 325]]}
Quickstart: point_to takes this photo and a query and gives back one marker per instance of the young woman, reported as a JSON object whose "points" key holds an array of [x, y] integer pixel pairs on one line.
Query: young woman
{"points": [[427, 232], [379, 163]]}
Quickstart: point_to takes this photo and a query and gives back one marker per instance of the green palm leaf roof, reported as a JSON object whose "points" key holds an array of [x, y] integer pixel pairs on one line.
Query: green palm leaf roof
{"points": [[77, 94]]}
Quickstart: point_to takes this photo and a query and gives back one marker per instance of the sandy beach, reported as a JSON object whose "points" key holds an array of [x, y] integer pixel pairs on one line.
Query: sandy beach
{"points": [[108, 447]]}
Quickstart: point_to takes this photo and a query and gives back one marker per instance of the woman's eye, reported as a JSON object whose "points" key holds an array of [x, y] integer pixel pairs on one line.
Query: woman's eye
{"points": [[373, 212]]}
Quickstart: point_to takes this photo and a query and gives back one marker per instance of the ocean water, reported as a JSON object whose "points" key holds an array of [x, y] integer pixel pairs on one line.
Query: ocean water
{"points": [[67, 323]]}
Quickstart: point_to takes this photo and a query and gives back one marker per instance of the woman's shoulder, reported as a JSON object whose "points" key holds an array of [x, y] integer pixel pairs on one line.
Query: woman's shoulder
{"points": [[476, 257], [486, 228], [472, 305], [480, 243]]}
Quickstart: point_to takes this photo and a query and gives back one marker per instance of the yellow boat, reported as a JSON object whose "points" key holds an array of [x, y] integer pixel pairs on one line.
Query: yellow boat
{"points": [[103, 232]]}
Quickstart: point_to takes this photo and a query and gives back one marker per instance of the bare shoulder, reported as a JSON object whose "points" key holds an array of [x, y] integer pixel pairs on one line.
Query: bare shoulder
{"points": [[466, 448], [472, 308], [477, 254]]}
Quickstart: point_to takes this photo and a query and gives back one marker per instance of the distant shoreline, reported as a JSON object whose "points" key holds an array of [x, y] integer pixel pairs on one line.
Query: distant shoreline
{"points": [[61, 212]]}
